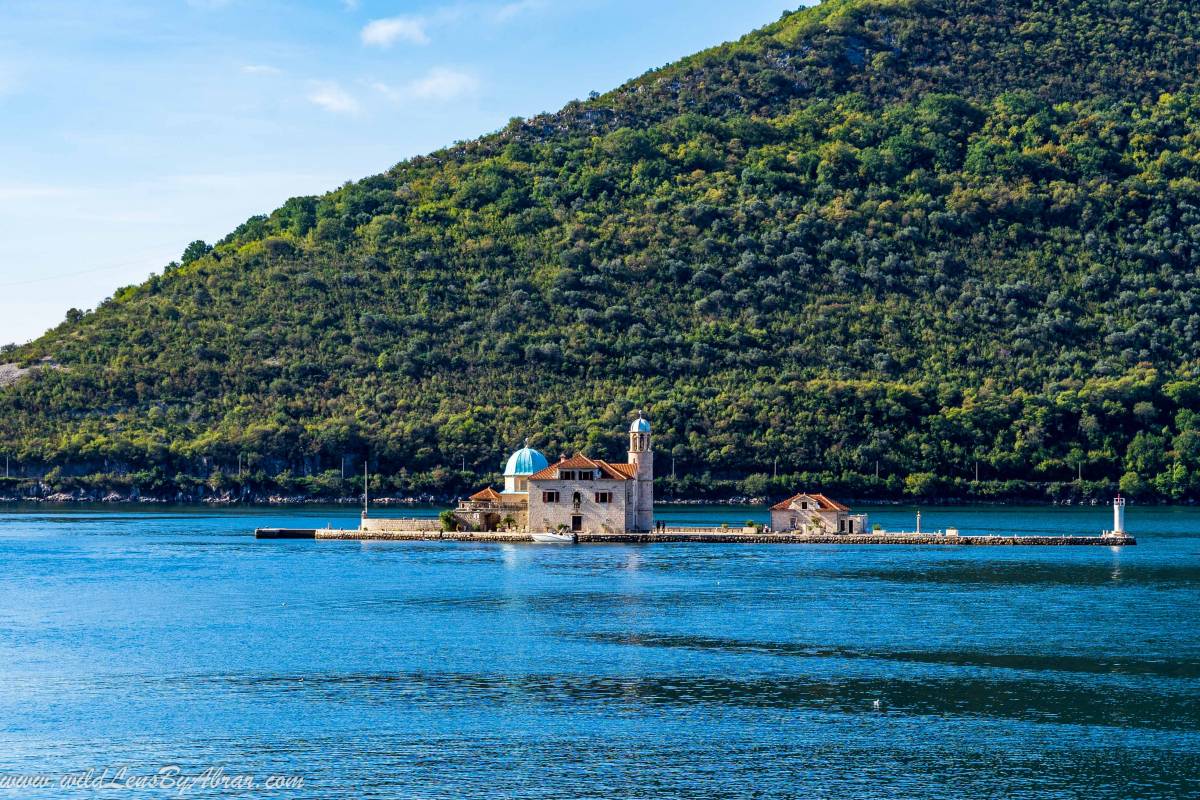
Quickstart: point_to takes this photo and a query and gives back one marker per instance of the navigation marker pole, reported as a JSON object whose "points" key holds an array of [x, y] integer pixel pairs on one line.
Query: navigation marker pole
{"points": [[366, 488], [1118, 517]]}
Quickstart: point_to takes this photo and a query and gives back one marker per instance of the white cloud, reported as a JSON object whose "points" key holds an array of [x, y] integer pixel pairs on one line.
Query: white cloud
{"points": [[509, 10], [440, 84], [261, 69], [330, 96], [350, 5], [443, 83], [386, 32], [415, 29]]}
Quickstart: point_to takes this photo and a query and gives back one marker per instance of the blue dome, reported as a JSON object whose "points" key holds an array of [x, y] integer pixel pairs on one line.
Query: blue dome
{"points": [[525, 461], [640, 425]]}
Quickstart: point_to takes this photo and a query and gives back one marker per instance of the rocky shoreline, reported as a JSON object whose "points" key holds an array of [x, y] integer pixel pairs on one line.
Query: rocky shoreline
{"points": [[116, 498], [257, 499], [226, 499]]}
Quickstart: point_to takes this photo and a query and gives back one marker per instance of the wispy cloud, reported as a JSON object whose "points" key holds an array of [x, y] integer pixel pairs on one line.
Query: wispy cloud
{"points": [[386, 32], [440, 84], [330, 96], [34, 191], [509, 10], [415, 28], [261, 69], [350, 5], [443, 83]]}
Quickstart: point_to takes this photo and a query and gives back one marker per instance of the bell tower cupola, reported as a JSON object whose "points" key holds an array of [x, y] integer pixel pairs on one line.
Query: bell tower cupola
{"points": [[639, 436], [641, 453]]}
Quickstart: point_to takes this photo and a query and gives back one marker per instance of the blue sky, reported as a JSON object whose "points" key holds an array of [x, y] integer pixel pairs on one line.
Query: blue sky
{"points": [[130, 127]]}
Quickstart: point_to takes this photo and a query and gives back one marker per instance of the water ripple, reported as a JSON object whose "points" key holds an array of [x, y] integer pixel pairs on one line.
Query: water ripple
{"points": [[1114, 665]]}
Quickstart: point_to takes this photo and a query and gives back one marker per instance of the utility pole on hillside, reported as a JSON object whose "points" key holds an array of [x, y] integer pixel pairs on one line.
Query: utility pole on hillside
{"points": [[775, 472]]}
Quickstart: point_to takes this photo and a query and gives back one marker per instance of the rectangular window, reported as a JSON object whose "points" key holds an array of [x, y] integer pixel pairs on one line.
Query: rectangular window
{"points": [[603, 497], [549, 497], [567, 475]]}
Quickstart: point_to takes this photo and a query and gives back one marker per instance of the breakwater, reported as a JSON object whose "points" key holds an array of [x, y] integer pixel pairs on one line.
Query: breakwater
{"points": [[697, 537]]}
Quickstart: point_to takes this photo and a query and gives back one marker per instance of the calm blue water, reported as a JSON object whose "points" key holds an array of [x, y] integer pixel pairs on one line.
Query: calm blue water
{"points": [[172, 637]]}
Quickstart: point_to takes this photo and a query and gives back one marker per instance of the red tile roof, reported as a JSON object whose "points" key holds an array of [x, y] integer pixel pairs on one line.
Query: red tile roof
{"points": [[612, 472], [823, 503], [487, 495], [628, 470]]}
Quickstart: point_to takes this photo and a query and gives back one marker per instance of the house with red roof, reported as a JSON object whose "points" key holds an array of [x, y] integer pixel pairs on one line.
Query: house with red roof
{"points": [[815, 514]]}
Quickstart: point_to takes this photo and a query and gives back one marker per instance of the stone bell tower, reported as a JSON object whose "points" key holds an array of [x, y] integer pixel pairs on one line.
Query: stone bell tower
{"points": [[641, 453]]}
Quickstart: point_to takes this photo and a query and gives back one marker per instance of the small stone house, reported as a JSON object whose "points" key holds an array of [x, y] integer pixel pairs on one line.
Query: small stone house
{"points": [[815, 514], [490, 510]]}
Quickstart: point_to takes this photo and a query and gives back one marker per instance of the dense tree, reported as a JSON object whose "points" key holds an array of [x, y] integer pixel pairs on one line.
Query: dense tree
{"points": [[933, 247], [195, 251]]}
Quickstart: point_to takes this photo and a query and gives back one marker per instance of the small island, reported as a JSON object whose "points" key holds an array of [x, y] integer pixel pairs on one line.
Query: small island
{"points": [[586, 500]]}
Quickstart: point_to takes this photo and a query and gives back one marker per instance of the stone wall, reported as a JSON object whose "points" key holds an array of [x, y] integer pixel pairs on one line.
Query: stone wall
{"points": [[382, 525]]}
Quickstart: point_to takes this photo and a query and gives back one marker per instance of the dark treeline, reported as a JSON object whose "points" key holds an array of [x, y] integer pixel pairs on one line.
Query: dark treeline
{"points": [[891, 248]]}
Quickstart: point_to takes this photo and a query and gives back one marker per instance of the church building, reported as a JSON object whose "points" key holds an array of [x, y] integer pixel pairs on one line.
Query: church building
{"points": [[579, 494]]}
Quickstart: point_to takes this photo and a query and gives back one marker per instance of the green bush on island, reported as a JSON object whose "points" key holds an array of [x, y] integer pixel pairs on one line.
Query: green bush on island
{"points": [[861, 249]]}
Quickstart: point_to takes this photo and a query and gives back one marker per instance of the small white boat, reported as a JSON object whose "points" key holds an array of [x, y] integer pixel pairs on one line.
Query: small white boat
{"points": [[553, 538]]}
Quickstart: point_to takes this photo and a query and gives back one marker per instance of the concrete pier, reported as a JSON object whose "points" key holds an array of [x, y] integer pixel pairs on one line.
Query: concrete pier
{"points": [[715, 536]]}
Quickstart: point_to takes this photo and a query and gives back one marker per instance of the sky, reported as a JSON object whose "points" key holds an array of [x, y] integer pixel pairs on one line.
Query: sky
{"points": [[129, 128]]}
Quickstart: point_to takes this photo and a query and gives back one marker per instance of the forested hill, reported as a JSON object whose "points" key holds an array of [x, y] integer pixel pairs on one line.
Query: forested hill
{"points": [[921, 240]]}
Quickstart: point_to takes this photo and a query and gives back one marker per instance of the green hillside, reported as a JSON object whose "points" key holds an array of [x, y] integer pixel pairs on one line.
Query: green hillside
{"points": [[887, 246]]}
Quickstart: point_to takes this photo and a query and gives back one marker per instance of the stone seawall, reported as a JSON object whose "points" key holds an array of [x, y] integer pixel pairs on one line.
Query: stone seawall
{"points": [[417, 536], [874, 539], [731, 537]]}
